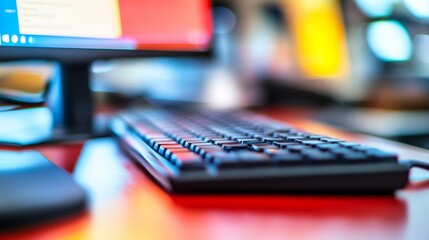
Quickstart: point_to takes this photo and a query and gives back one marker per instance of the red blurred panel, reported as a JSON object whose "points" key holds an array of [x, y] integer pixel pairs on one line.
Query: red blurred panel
{"points": [[167, 24]]}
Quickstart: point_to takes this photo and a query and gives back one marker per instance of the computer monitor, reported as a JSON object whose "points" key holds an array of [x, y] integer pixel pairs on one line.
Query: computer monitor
{"points": [[85, 30], [75, 33]]}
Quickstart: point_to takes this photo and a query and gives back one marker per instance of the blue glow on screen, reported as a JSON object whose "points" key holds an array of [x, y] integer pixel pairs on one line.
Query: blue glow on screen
{"points": [[8, 21], [10, 34]]}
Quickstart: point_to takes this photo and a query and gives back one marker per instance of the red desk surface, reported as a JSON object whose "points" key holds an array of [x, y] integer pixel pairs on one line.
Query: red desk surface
{"points": [[126, 204]]}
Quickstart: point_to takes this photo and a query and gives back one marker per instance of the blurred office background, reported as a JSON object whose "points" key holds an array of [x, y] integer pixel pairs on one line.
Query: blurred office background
{"points": [[367, 61], [364, 60], [352, 51]]}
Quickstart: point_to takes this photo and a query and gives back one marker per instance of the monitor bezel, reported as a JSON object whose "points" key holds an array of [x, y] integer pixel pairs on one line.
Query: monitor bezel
{"points": [[79, 55]]}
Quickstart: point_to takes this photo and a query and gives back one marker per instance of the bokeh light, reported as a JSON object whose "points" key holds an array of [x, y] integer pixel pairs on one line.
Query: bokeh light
{"points": [[376, 8], [419, 8], [389, 41]]}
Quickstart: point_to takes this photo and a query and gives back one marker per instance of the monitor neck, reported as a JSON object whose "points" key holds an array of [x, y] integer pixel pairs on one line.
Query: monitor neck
{"points": [[71, 99]]}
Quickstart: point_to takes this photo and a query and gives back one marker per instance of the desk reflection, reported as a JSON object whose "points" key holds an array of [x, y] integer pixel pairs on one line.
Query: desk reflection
{"points": [[126, 204]]}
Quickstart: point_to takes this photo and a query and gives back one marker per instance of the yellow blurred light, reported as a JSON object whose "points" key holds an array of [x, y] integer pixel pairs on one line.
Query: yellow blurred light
{"points": [[319, 37]]}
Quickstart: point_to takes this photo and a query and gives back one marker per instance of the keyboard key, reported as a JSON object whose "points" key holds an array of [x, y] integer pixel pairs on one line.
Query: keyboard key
{"points": [[322, 158], [163, 147], [382, 156], [214, 140], [364, 148], [311, 142], [209, 138], [327, 146], [303, 134], [297, 148], [288, 158], [331, 140], [169, 152], [309, 151], [294, 137], [356, 158], [166, 142], [348, 144], [157, 144], [234, 146], [279, 133], [341, 151], [273, 151], [226, 160], [249, 141], [156, 141], [188, 143], [271, 139], [316, 136], [254, 158], [285, 144], [261, 136], [171, 146], [262, 146], [182, 136], [196, 146], [204, 150], [187, 161], [226, 142], [237, 137]]}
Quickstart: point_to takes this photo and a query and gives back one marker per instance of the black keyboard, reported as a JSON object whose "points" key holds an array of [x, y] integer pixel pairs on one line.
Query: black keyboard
{"points": [[237, 152]]}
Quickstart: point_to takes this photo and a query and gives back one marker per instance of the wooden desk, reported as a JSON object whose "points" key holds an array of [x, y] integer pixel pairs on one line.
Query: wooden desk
{"points": [[126, 204]]}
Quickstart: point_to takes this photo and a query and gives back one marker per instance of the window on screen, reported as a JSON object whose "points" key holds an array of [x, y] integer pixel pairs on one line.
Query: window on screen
{"points": [[77, 18], [135, 24]]}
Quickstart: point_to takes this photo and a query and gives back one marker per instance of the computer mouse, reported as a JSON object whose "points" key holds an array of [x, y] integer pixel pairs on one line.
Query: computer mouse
{"points": [[34, 190]]}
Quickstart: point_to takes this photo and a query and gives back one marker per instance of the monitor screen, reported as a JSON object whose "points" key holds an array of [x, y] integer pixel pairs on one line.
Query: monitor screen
{"points": [[106, 24]]}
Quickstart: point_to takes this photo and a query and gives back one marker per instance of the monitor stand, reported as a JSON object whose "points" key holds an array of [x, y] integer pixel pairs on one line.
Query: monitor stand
{"points": [[66, 116]]}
